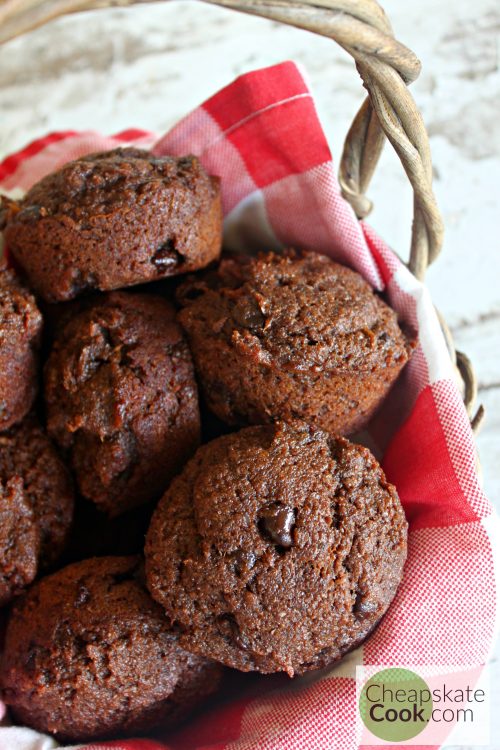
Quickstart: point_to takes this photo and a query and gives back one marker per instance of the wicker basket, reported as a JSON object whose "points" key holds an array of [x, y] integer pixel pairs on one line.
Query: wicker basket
{"points": [[386, 68]]}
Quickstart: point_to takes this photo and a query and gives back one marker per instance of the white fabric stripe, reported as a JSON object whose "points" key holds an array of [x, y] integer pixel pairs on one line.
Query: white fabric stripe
{"points": [[232, 128], [430, 334], [20, 738], [247, 227]]}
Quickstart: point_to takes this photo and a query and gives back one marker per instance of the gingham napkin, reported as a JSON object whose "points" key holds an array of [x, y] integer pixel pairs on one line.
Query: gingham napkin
{"points": [[261, 134]]}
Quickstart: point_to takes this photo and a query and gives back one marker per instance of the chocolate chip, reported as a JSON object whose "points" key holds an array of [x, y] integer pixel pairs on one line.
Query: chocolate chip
{"points": [[82, 596], [277, 521], [363, 606], [247, 313], [243, 561], [166, 256]]}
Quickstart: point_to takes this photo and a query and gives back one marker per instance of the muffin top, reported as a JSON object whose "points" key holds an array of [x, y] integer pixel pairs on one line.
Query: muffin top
{"points": [[114, 219], [99, 183], [88, 653], [275, 544], [19, 540], [29, 459], [121, 397], [300, 311], [19, 314], [20, 337]]}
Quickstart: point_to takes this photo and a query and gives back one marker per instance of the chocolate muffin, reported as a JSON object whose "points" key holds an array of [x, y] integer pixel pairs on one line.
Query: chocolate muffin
{"points": [[88, 654], [36, 506], [19, 540], [20, 337], [292, 336], [278, 548], [121, 399], [115, 219]]}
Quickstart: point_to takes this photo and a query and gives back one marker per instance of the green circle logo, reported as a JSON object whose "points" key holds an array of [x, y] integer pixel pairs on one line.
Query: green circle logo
{"points": [[395, 704]]}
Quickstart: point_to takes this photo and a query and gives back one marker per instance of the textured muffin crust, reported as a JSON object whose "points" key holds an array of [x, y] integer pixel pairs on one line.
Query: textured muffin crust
{"points": [[278, 548], [27, 454], [20, 335], [36, 506], [19, 540], [121, 399], [115, 219], [292, 336], [89, 654]]}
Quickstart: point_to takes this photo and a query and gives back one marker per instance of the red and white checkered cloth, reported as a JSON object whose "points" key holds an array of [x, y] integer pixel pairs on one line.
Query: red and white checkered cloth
{"points": [[261, 134]]}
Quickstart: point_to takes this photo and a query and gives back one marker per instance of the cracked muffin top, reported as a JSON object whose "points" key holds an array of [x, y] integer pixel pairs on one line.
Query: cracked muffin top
{"points": [[291, 335], [89, 654], [20, 337], [114, 219], [278, 548], [121, 398]]}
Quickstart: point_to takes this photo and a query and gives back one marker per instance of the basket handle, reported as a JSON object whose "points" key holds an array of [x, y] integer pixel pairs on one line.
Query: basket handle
{"points": [[386, 68]]}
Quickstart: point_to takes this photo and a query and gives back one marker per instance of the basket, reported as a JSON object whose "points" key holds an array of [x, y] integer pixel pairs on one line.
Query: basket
{"points": [[386, 68]]}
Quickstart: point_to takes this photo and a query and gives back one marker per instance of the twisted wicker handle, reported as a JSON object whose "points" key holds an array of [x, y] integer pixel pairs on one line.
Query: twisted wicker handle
{"points": [[386, 68]]}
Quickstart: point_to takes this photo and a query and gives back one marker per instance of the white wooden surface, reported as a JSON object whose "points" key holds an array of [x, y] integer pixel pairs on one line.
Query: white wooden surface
{"points": [[148, 66]]}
